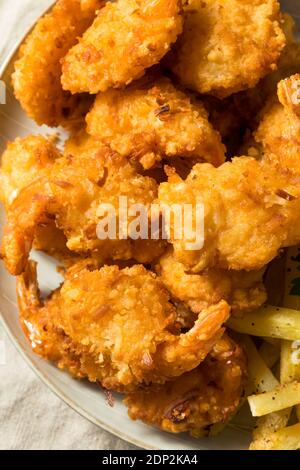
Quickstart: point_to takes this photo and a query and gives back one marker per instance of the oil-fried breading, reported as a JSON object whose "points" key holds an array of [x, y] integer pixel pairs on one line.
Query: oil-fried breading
{"points": [[119, 323], [251, 211], [126, 38], [151, 120], [37, 75], [246, 106], [279, 129], [72, 193], [242, 290], [226, 46], [289, 62], [209, 394], [91, 5], [22, 163]]}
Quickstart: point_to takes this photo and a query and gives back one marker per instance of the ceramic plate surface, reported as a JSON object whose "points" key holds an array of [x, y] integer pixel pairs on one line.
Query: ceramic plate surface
{"points": [[83, 397]]}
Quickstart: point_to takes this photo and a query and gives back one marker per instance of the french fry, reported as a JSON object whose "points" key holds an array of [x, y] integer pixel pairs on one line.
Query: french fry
{"points": [[285, 439], [292, 279], [271, 423], [274, 322], [290, 352], [289, 362], [277, 326], [284, 396], [290, 366], [269, 353], [261, 378]]}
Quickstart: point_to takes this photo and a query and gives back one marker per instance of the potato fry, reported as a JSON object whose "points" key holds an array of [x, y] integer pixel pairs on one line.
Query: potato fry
{"points": [[269, 353], [261, 378], [271, 423], [289, 362], [285, 439], [290, 365], [292, 297], [283, 323], [282, 397], [290, 357]]}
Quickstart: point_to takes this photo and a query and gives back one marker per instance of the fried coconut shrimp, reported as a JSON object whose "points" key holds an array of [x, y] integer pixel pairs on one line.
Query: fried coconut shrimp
{"points": [[22, 163], [118, 325], [152, 120], [279, 129], [209, 394], [36, 79], [242, 290], [226, 46], [72, 193], [246, 107], [91, 5], [126, 38], [251, 211]]}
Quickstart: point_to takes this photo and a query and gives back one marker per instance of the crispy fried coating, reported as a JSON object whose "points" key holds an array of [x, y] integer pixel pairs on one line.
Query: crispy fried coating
{"points": [[151, 120], [209, 394], [126, 38], [72, 193], [119, 323], [243, 109], [91, 5], [226, 46], [251, 211], [279, 129], [242, 290], [80, 143], [43, 329], [21, 164], [36, 79], [289, 62], [246, 107]]}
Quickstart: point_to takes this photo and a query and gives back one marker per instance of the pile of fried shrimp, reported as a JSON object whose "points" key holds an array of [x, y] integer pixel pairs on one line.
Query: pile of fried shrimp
{"points": [[166, 102]]}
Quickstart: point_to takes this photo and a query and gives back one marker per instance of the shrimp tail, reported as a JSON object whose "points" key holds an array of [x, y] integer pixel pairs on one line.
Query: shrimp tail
{"points": [[187, 351], [24, 216]]}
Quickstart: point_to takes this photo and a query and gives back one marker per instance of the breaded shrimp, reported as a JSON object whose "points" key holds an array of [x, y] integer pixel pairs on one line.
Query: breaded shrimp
{"points": [[36, 79], [251, 211], [279, 129], [91, 5], [248, 105], [72, 193], [21, 164], [151, 120], [227, 46], [242, 290], [209, 394], [120, 324], [43, 328], [289, 62], [126, 38]]}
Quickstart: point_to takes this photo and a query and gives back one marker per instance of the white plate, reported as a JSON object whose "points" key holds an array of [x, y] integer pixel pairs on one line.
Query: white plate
{"points": [[83, 397]]}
